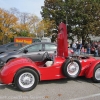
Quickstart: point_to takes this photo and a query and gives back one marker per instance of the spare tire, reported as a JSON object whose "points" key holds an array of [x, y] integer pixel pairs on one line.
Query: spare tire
{"points": [[71, 68]]}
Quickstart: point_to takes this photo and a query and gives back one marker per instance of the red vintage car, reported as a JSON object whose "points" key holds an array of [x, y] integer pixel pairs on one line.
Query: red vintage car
{"points": [[26, 74]]}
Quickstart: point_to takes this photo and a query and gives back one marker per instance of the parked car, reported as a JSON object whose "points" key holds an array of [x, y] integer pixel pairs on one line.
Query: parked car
{"points": [[12, 46], [33, 51]]}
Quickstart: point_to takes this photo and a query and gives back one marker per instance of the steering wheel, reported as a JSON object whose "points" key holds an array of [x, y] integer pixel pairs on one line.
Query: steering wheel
{"points": [[45, 56]]}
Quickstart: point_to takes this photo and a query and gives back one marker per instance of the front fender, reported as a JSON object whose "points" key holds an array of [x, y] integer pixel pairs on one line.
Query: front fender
{"points": [[8, 71], [90, 71]]}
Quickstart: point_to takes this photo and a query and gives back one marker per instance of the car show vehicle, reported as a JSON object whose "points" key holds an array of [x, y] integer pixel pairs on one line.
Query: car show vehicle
{"points": [[25, 73]]}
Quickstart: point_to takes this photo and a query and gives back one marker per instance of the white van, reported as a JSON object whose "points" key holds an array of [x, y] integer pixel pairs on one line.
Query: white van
{"points": [[46, 39]]}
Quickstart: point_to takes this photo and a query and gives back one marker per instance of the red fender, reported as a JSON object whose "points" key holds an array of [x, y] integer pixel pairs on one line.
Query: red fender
{"points": [[90, 71], [9, 70]]}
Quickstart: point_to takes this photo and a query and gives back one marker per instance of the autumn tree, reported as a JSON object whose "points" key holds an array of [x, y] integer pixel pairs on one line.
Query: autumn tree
{"points": [[33, 21], [7, 23], [45, 27]]}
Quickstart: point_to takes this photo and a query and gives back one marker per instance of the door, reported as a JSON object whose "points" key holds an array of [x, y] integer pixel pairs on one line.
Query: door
{"points": [[50, 48], [34, 52]]}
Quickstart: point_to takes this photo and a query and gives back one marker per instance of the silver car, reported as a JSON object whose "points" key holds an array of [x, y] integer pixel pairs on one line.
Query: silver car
{"points": [[34, 51]]}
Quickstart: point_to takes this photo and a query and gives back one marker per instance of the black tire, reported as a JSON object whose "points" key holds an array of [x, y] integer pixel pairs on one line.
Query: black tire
{"points": [[26, 79], [96, 74], [74, 70]]}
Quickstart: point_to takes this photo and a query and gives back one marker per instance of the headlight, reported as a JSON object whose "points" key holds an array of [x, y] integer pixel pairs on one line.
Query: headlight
{"points": [[2, 55]]}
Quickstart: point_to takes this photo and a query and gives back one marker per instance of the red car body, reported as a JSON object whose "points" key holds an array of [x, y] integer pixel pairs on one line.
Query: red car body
{"points": [[55, 71]]}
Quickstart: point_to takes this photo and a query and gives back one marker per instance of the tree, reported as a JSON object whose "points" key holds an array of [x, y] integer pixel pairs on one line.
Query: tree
{"points": [[84, 16], [7, 23], [81, 16], [45, 27]]}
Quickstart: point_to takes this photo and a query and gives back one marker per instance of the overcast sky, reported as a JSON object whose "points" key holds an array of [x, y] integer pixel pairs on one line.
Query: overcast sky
{"points": [[28, 6]]}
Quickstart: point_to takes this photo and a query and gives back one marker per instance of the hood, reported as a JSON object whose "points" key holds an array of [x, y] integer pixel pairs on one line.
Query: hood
{"points": [[62, 41], [7, 54]]}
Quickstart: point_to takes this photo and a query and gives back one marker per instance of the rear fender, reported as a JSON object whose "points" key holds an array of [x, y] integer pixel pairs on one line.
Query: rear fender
{"points": [[90, 71]]}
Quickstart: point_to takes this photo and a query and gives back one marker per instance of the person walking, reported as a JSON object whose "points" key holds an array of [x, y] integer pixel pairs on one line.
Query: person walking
{"points": [[74, 46], [88, 48], [78, 48], [96, 50]]}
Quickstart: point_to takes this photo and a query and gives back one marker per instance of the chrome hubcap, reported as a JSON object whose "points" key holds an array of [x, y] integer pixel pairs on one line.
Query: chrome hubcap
{"points": [[26, 80], [73, 68], [97, 74]]}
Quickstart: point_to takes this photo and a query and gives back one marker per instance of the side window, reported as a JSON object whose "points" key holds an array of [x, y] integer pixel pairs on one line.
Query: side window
{"points": [[49, 47], [15, 45], [22, 45], [35, 48]]}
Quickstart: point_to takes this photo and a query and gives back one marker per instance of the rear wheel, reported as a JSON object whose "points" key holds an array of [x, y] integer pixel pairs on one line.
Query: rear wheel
{"points": [[96, 74], [26, 79], [71, 68]]}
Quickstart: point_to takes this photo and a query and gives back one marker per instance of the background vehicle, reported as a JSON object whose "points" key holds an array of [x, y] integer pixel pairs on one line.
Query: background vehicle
{"points": [[34, 51], [46, 39], [12, 46]]}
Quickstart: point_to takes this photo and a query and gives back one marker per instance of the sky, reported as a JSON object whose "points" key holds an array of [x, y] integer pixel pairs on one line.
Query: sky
{"points": [[27, 6]]}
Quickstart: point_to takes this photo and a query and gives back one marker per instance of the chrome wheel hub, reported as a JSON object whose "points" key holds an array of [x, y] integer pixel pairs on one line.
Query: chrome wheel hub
{"points": [[97, 74], [73, 69], [26, 80]]}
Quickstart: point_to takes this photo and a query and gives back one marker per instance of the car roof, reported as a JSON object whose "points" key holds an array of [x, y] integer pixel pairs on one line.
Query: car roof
{"points": [[43, 43], [36, 44]]}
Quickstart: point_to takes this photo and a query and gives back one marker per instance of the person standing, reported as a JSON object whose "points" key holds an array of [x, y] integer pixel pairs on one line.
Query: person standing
{"points": [[96, 50], [88, 48], [78, 48], [74, 46]]}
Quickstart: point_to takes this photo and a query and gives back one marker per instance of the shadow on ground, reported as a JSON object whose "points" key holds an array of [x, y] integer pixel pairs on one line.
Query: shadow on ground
{"points": [[60, 81]]}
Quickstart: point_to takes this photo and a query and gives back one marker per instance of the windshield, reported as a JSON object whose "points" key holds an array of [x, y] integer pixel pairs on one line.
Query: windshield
{"points": [[23, 47]]}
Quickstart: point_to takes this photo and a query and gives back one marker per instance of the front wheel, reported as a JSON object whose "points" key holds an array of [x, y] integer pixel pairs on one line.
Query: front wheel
{"points": [[26, 79], [71, 68], [96, 74]]}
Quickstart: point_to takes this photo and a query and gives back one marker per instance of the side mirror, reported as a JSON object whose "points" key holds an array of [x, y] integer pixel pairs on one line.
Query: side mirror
{"points": [[25, 51]]}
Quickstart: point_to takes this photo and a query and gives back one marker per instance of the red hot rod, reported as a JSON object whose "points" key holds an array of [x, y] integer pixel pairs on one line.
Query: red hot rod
{"points": [[25, 74]]}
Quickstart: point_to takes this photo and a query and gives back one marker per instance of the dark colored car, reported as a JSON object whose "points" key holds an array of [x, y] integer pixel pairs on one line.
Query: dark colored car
{"points": [[34, 51], [10, 47]]}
